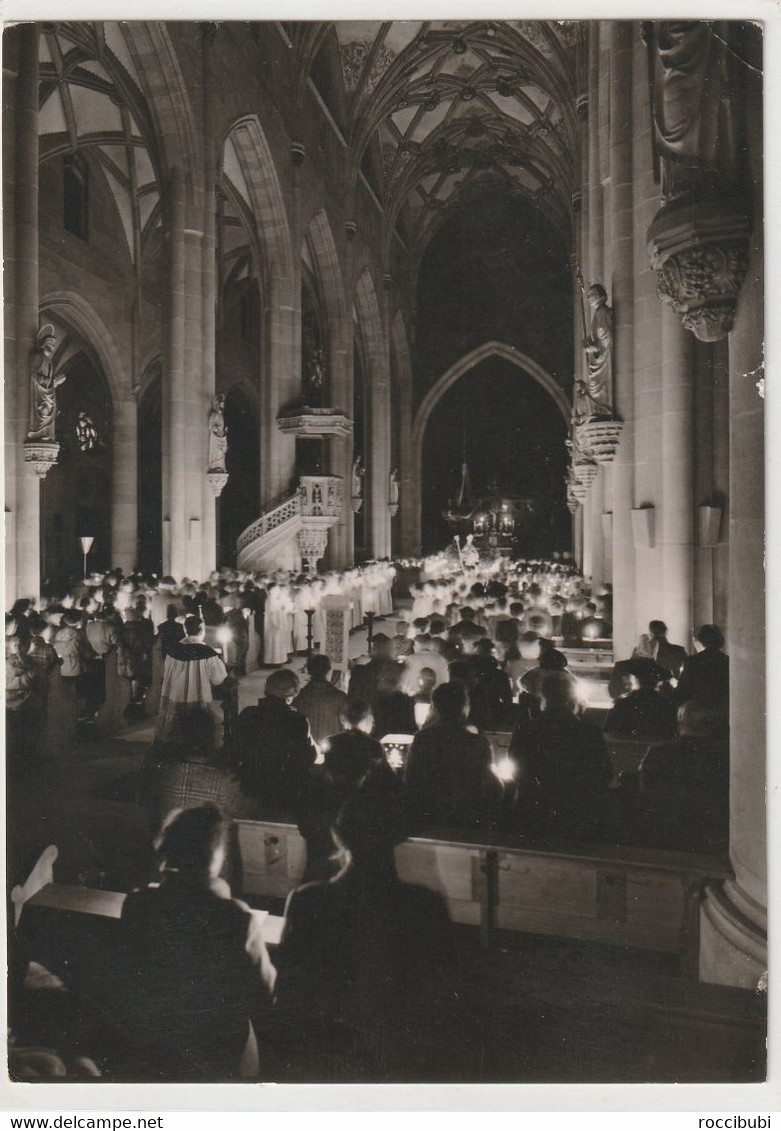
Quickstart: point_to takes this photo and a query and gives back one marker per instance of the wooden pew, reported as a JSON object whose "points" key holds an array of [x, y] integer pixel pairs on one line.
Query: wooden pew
{"points": [[111, 714], [40, 891], [626, 754], [643, 898]]}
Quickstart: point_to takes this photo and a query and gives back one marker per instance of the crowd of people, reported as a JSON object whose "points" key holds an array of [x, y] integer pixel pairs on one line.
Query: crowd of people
{"points": [[251, 619], [363, 974]]}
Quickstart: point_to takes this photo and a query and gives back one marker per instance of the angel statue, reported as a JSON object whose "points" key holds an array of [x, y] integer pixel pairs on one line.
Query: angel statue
{"points": [[43, 388]]}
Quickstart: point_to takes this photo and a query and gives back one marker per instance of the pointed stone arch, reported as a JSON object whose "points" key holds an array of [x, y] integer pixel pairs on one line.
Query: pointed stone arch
{"points": [[523, 363], [281, 273], [75, 312]]}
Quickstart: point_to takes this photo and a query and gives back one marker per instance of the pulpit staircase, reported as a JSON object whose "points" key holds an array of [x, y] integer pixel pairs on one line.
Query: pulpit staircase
{"points": [[292, 531]]}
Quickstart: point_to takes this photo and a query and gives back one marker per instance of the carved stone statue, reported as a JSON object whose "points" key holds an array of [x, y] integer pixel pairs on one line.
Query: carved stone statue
{"points": [[358, 473], [218, 435], [316, 380], [393, 487], [694, 123], [594, 396], [43, 388]]}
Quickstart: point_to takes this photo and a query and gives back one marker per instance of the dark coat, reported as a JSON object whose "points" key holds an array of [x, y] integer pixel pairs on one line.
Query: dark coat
{"points": [[276, 753], [449, 777]]}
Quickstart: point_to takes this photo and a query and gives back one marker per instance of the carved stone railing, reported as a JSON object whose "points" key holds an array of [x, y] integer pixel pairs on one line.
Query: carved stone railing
{"points": [[295, 526], [321, 496], [273, 517]]}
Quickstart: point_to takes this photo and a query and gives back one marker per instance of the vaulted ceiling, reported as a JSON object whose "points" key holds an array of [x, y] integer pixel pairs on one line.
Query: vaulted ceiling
{"points": [[90, 99], [440, 110]]}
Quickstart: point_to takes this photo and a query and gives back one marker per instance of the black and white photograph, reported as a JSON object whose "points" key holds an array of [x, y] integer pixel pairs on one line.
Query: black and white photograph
{"points": [[385, 551]]}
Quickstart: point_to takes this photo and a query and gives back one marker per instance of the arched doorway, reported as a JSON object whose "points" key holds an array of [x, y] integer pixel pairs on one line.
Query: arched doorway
{"points": [[504, 417], [239, 503], [150, 481], [76, 494]]}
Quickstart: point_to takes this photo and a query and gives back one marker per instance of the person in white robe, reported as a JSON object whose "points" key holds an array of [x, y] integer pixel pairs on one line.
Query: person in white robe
{"points": [[189, 712]]}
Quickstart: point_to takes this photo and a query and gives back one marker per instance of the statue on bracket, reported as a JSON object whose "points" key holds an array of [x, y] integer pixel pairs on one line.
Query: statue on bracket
{"points": [[218, 435], [315, 386], [44, 383], [358, 473], [594, 395], [693, 116], [393, 488]]}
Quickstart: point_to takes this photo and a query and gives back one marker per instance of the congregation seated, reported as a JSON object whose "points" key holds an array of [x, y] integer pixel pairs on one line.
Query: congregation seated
{"points": [[366, 987], [493, 683], [706, 674], [352, 761], [364, 677], [551, 660], [393, 709], [443, 641], [319, 701], [564, 768], [275, 750], [467, 628], [402, 645], [697, 762], [193, 969], [449, 778], [667, 655], [479, 708], [424, 655], [643, 712]]}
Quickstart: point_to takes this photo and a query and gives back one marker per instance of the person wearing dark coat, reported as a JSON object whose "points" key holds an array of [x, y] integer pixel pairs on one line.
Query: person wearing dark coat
{"points": [[193, 972], [275, 747], [319, 701], [706, 674], [667, 655], [353, 761], [367, 983], [564, 767], [449, 777], [365, 677], [644, 713]]}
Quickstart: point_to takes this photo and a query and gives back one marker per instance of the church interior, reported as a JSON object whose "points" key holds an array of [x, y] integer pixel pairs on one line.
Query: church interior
{"points": [[385, 395]]}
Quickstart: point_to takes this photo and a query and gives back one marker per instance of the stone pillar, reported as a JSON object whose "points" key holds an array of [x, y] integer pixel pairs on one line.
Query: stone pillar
{"points": [[279, 382], [208, 301], [408, 485], [721, 483], [676, 528], [124, 485], [175, 525], [380, 433], [587, 534], [733, 939], [622, 222], [734, 922], [20, 233], [340, 454], [702, 448]]}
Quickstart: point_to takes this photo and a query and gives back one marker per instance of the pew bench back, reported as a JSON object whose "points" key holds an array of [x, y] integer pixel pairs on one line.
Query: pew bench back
{"points": [[643, 898]]}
